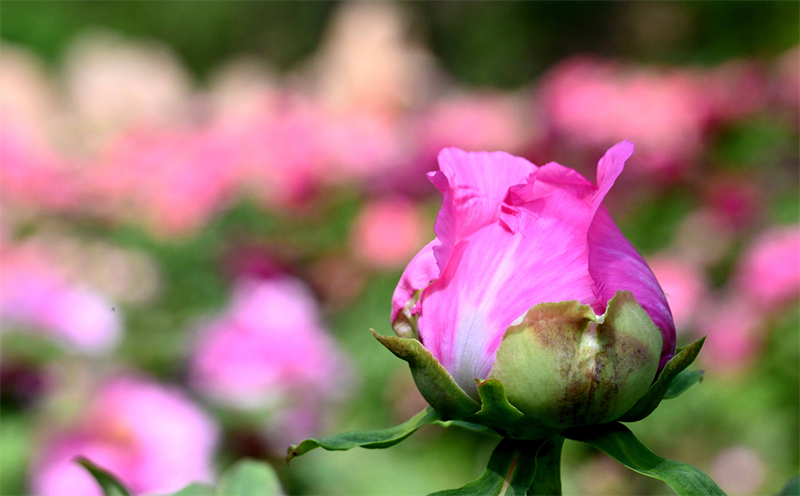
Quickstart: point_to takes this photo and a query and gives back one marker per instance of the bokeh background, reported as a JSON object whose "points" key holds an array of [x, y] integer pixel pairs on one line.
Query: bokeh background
{"points": [[206, 205]]}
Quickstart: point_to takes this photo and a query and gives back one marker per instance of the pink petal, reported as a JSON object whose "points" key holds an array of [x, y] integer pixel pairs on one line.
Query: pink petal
{"points": [[497, 274], [473, 185], [418, 274], [614, 263]]}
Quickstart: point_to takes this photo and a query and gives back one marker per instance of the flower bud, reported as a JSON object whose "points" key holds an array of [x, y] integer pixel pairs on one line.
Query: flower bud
{"points": [[565, 366], [530, 290]]}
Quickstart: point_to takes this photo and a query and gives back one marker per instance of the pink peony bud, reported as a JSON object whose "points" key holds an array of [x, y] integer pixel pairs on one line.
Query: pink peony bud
{"points": [[150, 436], [511, 236]]}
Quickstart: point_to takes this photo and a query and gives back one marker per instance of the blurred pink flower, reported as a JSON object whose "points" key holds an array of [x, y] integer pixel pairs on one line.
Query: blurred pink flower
{"points": [[269, 352], [734, 334], [684, 285], [388, 232], [279, 151], [473, 122], [35, 295], [734, 89], [32, 174], [176, 180], [596, 103], [150, 436], [362, 145], [769, 273]]}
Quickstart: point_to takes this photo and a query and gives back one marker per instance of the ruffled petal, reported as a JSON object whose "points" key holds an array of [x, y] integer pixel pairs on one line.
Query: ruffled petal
{"points": [[473, 186], [496, 274], [418, 274]]}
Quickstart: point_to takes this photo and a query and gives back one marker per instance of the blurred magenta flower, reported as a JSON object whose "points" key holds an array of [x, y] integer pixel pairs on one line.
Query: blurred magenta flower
{"points": [[269, 352], [684, 285], [596, 103], [150, 436], [769, 273], [35, 295], [510, 236], [388, 232]]}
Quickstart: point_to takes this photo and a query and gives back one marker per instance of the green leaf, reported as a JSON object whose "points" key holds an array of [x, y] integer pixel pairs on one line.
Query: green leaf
{"points": [[196, 489], [110, 485], [617, 441], [500, 415], [682, 382], [547, 479], [467, 426], [378, 439], [249, 478], [792, 488], [433, 381], [510, 471], [652, 398]]}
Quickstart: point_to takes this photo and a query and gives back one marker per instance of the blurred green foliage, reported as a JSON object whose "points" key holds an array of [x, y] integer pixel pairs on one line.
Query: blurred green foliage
{"points": [[501, 44]]}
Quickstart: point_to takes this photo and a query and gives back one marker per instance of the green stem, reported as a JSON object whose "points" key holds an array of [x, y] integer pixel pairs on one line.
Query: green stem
{"points": [[547, 478]]}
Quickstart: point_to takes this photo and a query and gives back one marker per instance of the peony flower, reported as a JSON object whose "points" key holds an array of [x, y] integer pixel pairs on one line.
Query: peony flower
{"points": [[270, 352], [518, 286], [152, 437], [770, 270]]}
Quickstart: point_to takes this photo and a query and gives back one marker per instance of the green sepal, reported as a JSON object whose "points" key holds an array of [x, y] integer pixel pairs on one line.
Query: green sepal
{"points": [[652, 398], [618, 442], [500, 415], [108, 482], [249, 478], [682, 382], [565, 366], [377, 439], [433, 381], [511, 470]]}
